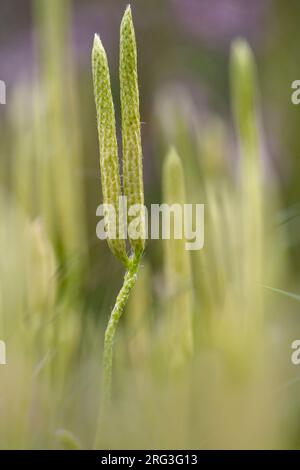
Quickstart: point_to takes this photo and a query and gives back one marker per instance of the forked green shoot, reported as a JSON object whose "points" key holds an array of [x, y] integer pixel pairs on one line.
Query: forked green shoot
{"points": [[109, 165]]}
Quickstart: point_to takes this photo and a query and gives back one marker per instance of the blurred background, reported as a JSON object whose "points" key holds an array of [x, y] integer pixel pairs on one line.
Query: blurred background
{"points": [[183, 51], [58, 282]]}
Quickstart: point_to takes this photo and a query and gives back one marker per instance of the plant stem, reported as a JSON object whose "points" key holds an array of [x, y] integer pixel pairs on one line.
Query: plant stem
{"points": [[122, 298], [129, 282]]}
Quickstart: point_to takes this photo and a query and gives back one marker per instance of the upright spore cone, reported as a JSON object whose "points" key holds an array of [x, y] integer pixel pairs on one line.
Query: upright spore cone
{"points": [[109, 163], [131, 127]]}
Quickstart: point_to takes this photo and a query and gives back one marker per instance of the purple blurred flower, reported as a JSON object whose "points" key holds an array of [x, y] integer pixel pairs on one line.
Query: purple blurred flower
{"points": [[217, 22]]}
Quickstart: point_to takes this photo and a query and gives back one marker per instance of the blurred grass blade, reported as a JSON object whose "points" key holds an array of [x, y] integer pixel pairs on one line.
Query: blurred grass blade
{"points": [[284, 292], [67, 440], [177, 262], [244, 92]]}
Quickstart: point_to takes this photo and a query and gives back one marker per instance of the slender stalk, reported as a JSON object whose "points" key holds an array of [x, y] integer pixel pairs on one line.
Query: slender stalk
{"points": [[121, 301], [128, 284]]}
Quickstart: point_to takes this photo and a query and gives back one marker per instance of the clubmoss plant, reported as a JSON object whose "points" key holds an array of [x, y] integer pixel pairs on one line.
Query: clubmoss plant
{"points": [[109, 165]]}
